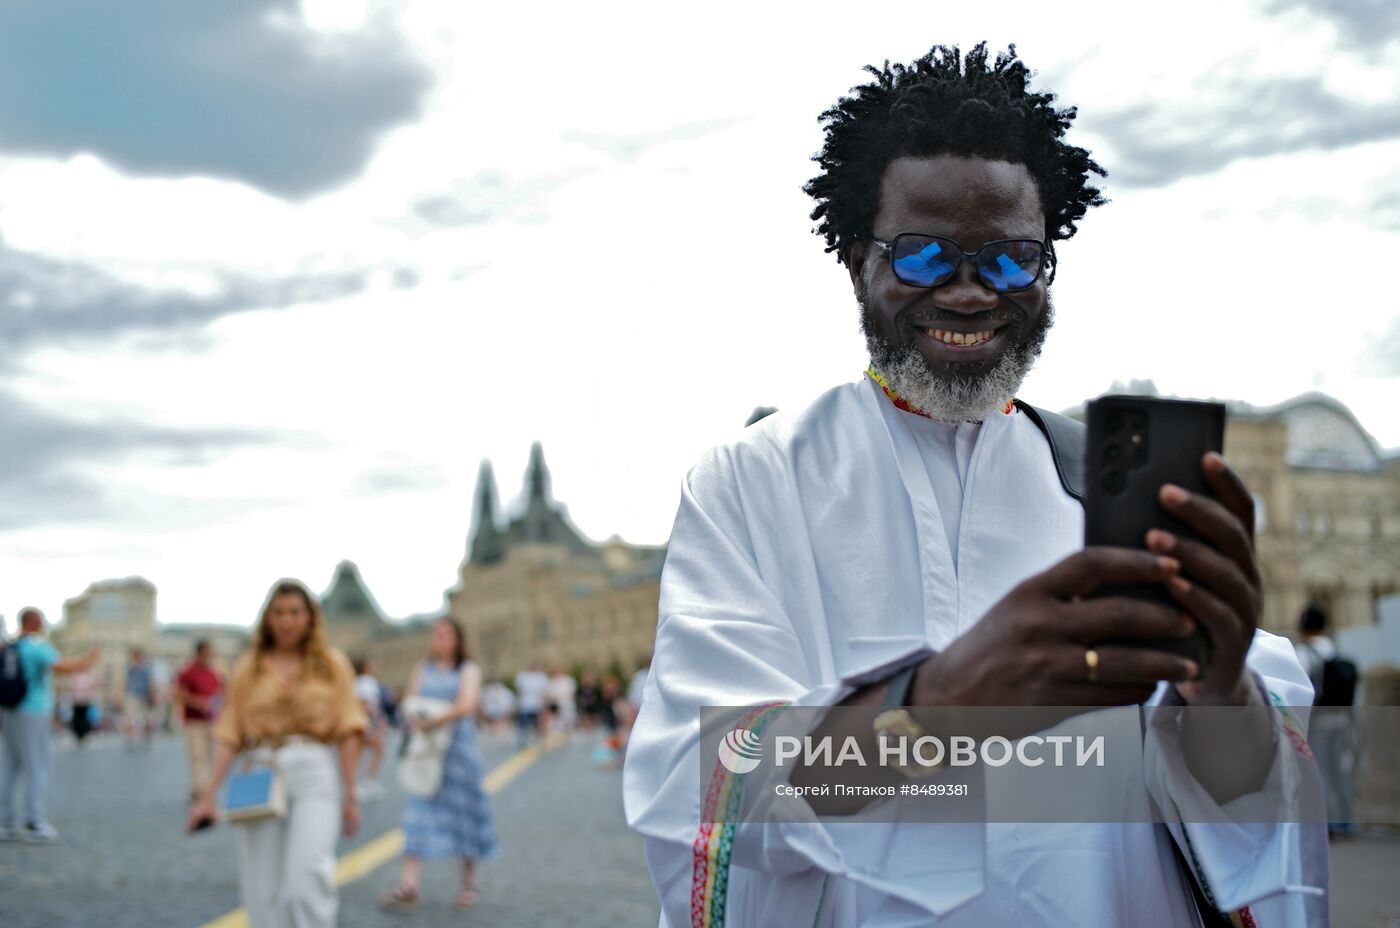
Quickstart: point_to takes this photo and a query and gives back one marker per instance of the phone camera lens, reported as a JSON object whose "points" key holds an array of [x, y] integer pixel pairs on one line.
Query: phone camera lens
{"points": [[1114, 422], [1112, 452]]}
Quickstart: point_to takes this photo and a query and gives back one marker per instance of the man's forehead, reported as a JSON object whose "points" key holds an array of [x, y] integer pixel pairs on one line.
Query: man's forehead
{"points": [[960, 187]]}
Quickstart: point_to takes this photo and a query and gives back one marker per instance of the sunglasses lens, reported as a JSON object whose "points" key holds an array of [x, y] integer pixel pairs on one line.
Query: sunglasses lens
{"points": [[1007, 266], [923, 261]]}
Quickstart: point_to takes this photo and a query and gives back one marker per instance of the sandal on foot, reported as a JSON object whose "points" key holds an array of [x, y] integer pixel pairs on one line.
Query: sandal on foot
{"points": [[467, 896], [401, 899]]}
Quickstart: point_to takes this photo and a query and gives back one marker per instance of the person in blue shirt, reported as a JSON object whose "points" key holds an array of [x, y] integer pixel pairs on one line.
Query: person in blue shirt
{"points": [[139, 700], [27, 729]]}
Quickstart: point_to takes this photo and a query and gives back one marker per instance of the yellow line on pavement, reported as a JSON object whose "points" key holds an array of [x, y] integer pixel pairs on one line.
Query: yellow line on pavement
{"points": [[510, 768], [369, 857], [234, 919], [375, 853]]}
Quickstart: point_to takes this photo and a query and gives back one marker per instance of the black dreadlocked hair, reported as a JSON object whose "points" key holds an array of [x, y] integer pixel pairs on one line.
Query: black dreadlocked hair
{"points": [[938, 105]]}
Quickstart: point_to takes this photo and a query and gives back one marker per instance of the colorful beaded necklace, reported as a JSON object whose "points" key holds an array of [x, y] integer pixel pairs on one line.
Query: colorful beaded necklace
{"points": [[901, 403]]}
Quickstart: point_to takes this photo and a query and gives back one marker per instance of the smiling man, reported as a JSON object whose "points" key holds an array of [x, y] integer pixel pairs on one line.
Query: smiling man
{"points": [[954, 346], [910, 540]]}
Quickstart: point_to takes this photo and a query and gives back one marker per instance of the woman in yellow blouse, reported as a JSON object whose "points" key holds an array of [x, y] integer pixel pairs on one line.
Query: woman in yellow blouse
{"points": [[291, 699]]}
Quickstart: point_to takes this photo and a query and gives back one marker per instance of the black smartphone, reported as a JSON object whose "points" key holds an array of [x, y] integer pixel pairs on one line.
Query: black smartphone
{"points": [[1136, 444]]}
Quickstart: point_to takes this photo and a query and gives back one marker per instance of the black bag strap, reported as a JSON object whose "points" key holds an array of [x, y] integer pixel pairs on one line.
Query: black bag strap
{"points": [[1206, 912], [1067, 438]]}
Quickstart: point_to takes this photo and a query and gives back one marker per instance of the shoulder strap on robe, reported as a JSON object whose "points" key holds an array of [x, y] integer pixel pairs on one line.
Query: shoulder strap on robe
{"points": [[1066, 437]]}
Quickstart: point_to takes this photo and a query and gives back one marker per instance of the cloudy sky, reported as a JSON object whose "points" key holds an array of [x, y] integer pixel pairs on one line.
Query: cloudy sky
{"points": [[276, 276]]}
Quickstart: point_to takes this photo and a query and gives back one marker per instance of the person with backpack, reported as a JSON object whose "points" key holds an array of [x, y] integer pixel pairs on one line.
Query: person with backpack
{"points": [[1331, 732], [27, 703]]}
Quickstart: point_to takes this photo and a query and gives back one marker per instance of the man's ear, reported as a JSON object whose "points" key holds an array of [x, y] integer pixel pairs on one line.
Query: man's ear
{"points": [[854, 258]]}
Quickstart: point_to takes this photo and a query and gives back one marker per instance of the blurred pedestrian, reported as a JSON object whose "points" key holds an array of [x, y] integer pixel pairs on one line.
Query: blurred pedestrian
{"points": [[530, 687], [612, 714], [1332, 727], [497, 704], [559, 696], [371, 694], [138, 700], [388, 705], [197, 689], [456, 822], [586, 701], [28, 729], [290, 702], [85, 694]]}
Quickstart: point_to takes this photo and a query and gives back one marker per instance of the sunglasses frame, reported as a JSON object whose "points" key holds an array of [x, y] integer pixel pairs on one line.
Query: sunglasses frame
{"points": [[1047, 252]]}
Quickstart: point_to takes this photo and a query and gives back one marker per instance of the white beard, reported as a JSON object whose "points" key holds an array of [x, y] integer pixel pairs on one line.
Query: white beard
{"points": [[955, 399]]}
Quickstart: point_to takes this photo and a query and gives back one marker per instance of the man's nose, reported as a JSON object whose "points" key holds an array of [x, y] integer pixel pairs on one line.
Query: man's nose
{"points": [[965, 293]]}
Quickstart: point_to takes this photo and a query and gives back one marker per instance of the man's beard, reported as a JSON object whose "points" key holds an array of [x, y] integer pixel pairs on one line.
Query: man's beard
{"points": [[956, 398]]}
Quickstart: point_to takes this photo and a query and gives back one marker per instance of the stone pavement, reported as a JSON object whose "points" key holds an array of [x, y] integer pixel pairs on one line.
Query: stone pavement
{"points": [[1366, 880], [566, 859]]}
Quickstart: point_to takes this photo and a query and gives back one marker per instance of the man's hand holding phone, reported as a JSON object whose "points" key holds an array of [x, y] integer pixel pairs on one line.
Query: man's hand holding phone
{"points": [[1220, 583], [1046, 642], [1167, 587], [1220, 586]]}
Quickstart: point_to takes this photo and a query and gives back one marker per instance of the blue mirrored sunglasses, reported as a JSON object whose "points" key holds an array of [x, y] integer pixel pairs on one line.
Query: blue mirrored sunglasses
{"points": [[930, 260]]}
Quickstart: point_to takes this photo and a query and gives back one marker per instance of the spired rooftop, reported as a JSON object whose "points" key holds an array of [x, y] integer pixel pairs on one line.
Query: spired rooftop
{"points": [[531, 587]]}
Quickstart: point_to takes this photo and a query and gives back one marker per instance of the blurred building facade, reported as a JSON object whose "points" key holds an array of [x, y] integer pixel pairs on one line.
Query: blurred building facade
{"points": [[531, 587], [118, 615], [1328, 525]]}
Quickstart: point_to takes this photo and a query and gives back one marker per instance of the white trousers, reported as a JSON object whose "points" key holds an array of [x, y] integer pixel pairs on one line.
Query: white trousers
{"points": [[288, 864]]}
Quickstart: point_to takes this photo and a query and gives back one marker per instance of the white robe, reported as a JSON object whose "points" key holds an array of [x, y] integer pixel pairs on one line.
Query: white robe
{"points": [[808, 557]]}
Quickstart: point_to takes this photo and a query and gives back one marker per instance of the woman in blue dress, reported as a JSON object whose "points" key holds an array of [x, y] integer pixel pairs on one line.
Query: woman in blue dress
{"points": [[456, 822]]}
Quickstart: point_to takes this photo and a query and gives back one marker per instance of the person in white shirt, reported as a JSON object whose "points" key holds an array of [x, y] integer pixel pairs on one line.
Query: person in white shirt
{"points": [[371, 696], [497, 703], [531, 685], [915, 522]]}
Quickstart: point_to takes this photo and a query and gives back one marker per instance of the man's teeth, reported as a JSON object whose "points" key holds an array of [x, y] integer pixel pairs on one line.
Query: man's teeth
{"points": [[960, 338]]}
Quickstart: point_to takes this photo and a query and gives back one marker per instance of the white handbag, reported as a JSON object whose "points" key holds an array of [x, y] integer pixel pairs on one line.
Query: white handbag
{"points": [[424, 754]]}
